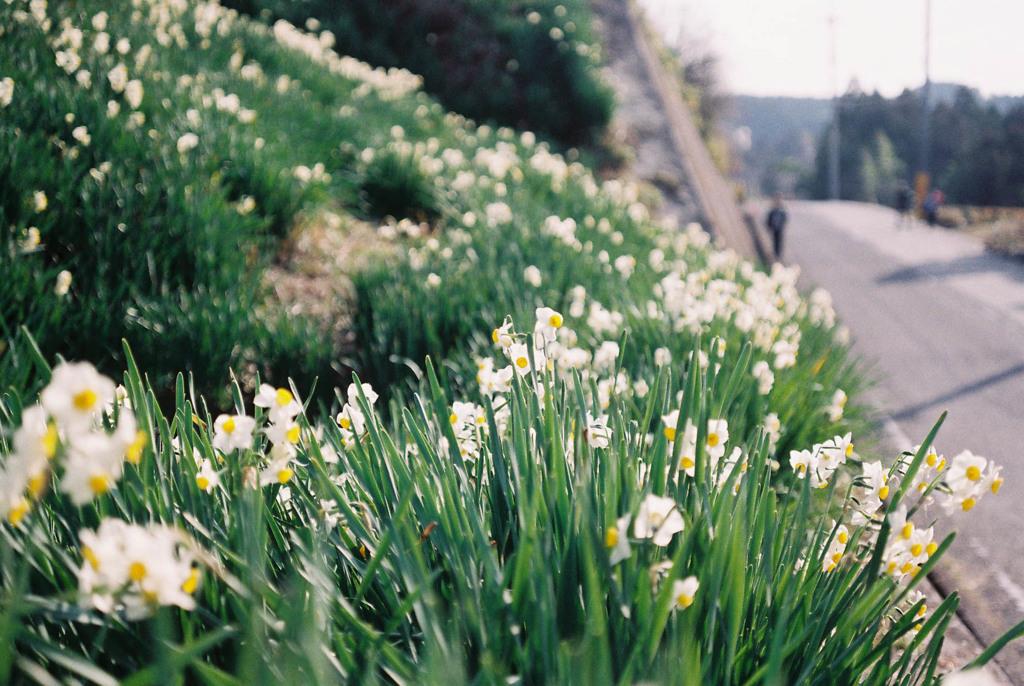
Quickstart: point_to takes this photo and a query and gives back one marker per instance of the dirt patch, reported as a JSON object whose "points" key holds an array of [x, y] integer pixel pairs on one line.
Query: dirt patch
{"points": [[311, 276]]}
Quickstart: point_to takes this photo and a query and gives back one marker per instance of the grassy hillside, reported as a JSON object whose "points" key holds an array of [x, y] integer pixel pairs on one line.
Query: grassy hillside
{"points": [[163, 167], [628, 457], [527, 65]]}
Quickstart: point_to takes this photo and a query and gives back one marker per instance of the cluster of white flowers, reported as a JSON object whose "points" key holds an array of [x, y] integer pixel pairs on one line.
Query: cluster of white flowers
{"points": [[760, 306], [388, 84], [352, 419], [469, 423], [909, 546], [822, 460], [658, 520], [235, 432], [71, 50], [715, 439], [315, 174], [66, 434], [6, 91], [131, 569]]}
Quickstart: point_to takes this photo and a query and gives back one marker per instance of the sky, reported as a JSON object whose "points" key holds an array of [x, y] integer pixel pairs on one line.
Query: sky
{"points": [[785, 47]]}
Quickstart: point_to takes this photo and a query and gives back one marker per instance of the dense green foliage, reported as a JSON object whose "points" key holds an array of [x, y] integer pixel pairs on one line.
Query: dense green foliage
{"points": [[646, 484], [527, 65], [522, 542], [101, 181]]}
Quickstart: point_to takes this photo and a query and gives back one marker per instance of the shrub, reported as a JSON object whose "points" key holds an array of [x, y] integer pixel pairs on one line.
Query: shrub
{"points": [[530, 67]]}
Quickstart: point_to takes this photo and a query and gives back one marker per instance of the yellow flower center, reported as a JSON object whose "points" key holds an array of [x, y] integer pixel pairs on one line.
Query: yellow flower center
{"points": [[293, 434], [908, 529], [849, 449], [202, 482], [906, 567], [522, 362], [137, 572], [494, 335], [555, 320], [916, 549], [923, 611], [931, 459], [191, 582], [89, 555], [344, 422], [973, 473], [134, 451], [713, 440], [836, 558], [883, 492], [968, 504], [284, 396], [686, 463], [611, 537], [229, 425], [684, 601], [453, 419], [100, 483], [285, 475], [36, 485], [931, 548], [18, 512], [670, 433], [84, 400], [843, 537], [996, 484], [50, 440]]}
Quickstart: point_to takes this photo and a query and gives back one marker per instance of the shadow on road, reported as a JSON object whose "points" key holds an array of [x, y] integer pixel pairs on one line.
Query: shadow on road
{"points": [[967, 389], [939, 269]]}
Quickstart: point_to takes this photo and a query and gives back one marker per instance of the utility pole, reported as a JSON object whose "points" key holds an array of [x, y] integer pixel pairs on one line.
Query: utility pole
{"points": [[833, 133], [923, 179]]}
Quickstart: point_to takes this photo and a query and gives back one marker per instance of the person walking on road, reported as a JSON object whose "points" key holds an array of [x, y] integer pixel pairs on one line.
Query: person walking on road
{"points": [[932, 202], [903, 201], [776, 222]]}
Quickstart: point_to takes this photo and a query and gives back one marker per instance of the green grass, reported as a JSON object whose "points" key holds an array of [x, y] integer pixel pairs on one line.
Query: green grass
{"points": [[420, 550], [417, 539], [527, 65]]}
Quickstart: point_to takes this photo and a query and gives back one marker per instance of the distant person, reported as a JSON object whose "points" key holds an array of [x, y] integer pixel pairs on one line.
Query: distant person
{"points": [[903, 202], [932, 202], [776, 222]]}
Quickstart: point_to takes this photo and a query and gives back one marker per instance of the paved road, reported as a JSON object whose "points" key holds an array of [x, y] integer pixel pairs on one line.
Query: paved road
{"points": [[944, 324]]}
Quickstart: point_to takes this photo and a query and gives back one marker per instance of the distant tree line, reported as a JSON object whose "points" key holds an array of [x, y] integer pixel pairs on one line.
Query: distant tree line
{"points": [[976, 151]]}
